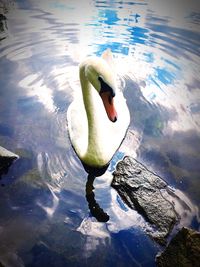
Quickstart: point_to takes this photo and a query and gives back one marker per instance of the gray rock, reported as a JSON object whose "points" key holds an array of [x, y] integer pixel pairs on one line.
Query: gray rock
{"points": [[142, 190], [183, 250], [6, 159]]}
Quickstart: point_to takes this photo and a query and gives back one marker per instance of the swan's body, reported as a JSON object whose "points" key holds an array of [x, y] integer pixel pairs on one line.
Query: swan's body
{"points": [[93, 129]]}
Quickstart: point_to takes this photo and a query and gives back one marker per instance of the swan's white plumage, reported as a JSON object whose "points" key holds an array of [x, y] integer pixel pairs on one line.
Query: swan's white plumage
{"points": [[94, 137]]}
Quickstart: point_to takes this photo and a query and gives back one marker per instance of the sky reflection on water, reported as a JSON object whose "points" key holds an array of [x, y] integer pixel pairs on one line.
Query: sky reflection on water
{"points": [[44, 213]]}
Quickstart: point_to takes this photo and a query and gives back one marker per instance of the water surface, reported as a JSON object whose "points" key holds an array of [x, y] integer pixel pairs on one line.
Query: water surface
{"points": [[44, 215]]}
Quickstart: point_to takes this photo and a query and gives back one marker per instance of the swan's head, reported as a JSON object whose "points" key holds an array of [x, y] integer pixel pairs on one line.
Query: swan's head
{"points": [[101, 77]]}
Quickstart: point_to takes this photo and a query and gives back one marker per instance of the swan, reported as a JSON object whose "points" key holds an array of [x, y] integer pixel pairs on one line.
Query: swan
{"points": [[98, 117]]}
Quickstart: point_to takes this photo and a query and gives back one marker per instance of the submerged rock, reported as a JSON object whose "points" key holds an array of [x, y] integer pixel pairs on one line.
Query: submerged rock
{"points": [[6, 159], [142, 190], [183, 250]]}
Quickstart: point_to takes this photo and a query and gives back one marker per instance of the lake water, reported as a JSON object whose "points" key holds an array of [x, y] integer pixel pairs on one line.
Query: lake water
{"points": [[44, 215]]}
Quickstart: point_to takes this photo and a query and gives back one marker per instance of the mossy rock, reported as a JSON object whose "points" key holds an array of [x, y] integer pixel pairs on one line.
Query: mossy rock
{"points": [[182, 251]]}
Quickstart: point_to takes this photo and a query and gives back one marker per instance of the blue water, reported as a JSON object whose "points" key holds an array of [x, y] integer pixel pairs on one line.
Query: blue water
{"points": [[44, 215]]}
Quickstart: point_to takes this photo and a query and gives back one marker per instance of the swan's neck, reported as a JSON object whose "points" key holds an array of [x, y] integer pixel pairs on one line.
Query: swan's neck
{"points": [[94, 133]]}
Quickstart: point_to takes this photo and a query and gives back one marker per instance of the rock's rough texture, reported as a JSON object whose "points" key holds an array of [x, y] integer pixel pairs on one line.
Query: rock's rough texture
{"points": [[6, 159], [141, 190], [183, 250]]}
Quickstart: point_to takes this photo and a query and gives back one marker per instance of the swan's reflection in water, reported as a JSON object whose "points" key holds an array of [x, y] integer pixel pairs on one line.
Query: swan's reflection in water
{"points": [[93, 172], [94, 207]]}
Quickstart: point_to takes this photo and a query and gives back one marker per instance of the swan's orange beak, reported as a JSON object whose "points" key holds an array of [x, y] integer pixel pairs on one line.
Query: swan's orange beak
{"points": [[109, 105]]}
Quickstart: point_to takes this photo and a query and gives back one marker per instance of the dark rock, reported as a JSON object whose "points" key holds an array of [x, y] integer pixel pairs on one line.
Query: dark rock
{"points": [[6, 159], [142, 190], [183, 250]]}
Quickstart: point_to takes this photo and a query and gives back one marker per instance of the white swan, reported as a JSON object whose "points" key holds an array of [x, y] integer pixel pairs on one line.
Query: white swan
{"points": [[97, 119]]}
